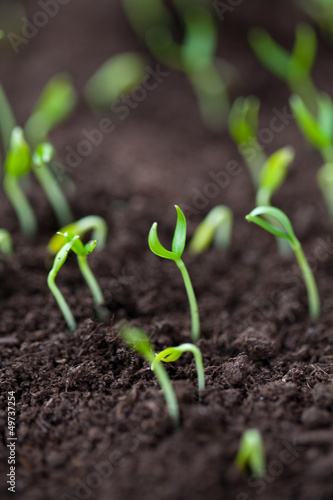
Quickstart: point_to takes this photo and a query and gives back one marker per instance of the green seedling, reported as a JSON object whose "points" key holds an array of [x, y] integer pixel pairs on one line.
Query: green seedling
{"points": [[195, 56], [251, 455], [115, 78], [178, 245], [17, 165], [173, 353], [73, 242], [294, 68], [318, 130], [217, 227], [59, 261], [6, 244], [93, 223], [137, 340], [271, 213]]}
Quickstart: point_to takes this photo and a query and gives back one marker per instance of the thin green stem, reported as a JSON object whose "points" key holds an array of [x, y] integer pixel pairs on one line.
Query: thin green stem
{"points": [[198, 363], [166, 386], [69, 318], [313, 295], [21, 205], [54, 194], [192, 300], [91, 281]]}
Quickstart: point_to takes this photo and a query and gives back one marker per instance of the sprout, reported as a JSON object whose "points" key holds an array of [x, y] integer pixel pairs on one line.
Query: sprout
{"points": [[116, 77], [143, 14], [59, 261], [74, 243], [288, 234], [216, 226], [93, 223], [173, 353], [178, 245], [243, 128], [137, 340], [251, 453], [18, 164], [293, 68], [6, 244], [318, 130], [40, 159], [54, 105]]}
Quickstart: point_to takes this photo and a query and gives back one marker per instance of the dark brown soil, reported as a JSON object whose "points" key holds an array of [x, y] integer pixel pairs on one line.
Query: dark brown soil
{"points": [[91, 420]]}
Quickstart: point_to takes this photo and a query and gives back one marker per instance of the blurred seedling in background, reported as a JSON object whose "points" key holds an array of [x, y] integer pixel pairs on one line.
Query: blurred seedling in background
{"points": [[91, 223], [268, 173], [29, 150], [318, 130], [195, 56], [215, 228], [251, 458], [173, 353], [6, 244], [137, 340], [294, 68], [178, 245], [115, 78], [264, 217], [321, 11], [73, 242]]}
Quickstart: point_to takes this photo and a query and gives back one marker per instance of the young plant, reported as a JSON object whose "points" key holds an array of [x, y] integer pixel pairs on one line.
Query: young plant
{"points": [[318, 130], [178, 245], [137, 340], [321, 11], [116, 77], [294, 68], [17, 165], [251, 454], [73, 242], [271, 214], [6, 244], [173, 353], [217, 227], [93, 223]]}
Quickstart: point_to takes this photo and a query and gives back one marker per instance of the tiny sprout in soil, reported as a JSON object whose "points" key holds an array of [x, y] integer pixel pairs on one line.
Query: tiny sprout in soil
{"points": [[216, 227], [178, 245], [251, 455]]}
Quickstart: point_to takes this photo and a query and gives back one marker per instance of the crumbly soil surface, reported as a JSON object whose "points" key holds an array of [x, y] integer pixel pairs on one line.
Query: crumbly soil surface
{"points": [[91, 419]]}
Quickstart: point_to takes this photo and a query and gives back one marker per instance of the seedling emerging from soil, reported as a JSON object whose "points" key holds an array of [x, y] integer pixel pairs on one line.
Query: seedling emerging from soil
{"points": [[73, 242], [178, 245], [137, 340], [294, 68], [93, 223], [59, 261], [217, 227], [17, 165], [6, 244], [251, 455], [116, 77], [318, 130], [173, 353], [287, 233]]}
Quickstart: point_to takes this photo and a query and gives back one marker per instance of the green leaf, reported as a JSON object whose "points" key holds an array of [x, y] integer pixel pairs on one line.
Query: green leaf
{"points": [[179, 238], [243, 119], [90, 247], [156, 247], [61, 256], [269, 53], [43, 154], [137, 339], [308, 124], [78, 247], [217, 225], [55, 104], [325, 114], [254, 216], [304, 52], [6, 244], [275, 170], [168, 355], [251, 454], [18, 160]]}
